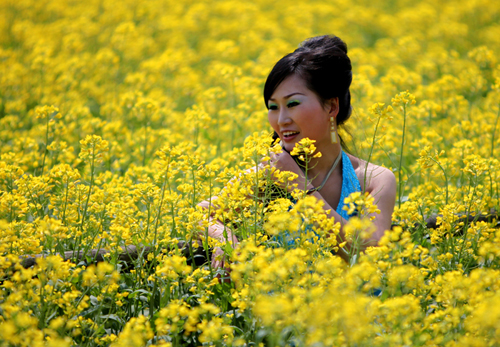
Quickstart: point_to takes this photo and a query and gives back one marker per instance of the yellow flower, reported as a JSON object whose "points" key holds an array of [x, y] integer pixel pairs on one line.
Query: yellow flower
{"points": [[403, 99], [305, 147], [47, 111], [362, 203], [93, 147]]}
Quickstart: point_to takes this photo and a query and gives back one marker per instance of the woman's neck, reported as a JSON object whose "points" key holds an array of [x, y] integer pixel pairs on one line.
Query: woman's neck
{"points": [[318, 168]]}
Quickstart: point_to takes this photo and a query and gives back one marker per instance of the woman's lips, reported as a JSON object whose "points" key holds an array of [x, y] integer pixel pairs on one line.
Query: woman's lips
{"points": [[290, 136]]}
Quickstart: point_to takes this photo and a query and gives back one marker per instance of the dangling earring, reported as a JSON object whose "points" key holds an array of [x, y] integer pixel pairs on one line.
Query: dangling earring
{"points": [[333, 133]]}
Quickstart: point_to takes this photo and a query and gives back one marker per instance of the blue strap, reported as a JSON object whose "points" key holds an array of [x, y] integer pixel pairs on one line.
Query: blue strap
{"points": [[350, 184]]}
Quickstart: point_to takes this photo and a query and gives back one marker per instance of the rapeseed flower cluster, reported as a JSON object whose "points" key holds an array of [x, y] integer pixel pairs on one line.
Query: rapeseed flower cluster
{"points": [[118, 118]]}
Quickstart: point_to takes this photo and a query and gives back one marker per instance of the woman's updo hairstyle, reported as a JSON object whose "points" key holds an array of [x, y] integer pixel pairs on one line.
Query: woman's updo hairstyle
{"points": [[322, 62]]}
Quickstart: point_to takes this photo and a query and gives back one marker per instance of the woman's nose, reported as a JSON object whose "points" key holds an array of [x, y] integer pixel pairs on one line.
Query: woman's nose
{"points": [[284, 117]]}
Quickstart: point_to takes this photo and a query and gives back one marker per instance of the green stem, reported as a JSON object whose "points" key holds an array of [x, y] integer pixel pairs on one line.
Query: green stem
{"points": [[371, 152], [191, 255], [65, 201], [158, 216], [256, 204], [206, 229], [43, 309], [194, 185], [400, 183], [148, 206], [445, 177], [92, 163], [152, 302], [46, 143], [145, 146], [494, 132]]}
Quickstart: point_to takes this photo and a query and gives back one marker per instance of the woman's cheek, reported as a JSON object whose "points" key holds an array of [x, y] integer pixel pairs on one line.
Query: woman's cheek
{"points": [[273, 121]]}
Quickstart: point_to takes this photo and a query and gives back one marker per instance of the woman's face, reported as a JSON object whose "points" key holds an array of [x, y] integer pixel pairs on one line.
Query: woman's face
{"points": [[295, 112]]}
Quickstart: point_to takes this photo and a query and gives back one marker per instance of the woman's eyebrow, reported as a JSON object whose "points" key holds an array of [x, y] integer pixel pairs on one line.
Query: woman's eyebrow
{"points": [[288, 96]]}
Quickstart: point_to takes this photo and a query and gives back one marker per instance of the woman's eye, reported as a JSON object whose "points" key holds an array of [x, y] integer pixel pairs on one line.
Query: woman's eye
{"points": [[273, 107], [293, 103]]}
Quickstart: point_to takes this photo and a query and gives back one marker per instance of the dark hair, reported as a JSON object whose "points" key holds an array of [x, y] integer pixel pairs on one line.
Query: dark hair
{"points": [[322, 62]]}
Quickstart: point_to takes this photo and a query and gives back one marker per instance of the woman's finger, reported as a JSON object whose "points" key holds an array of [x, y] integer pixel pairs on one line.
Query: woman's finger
{"points": [[218, 258]]}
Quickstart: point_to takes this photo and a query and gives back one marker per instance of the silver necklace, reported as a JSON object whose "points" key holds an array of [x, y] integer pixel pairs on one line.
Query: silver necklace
{"points": [[335, 163]]}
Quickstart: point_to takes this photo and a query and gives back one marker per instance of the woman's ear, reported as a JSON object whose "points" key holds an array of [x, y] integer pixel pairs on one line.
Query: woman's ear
{"points": [[333, 107]]}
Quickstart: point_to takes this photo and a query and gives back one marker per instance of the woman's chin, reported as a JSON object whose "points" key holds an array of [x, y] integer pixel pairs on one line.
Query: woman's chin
{"points": [[288, 147]]}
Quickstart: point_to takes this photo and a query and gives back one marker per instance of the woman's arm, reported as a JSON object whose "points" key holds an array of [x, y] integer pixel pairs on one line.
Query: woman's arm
{"points": [[381, 185], [383, 189], [218, 231]]}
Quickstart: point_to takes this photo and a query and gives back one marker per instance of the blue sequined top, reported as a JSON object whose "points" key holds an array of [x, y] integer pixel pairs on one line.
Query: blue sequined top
{"points": [[350, 184]]}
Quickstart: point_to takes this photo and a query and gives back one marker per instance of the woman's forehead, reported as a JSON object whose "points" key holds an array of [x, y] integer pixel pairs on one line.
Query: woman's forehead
{"points": [[290, 85]]}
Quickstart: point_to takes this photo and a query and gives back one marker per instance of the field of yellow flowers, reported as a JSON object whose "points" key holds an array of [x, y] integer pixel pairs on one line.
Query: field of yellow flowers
{"points": [[118, 117]]}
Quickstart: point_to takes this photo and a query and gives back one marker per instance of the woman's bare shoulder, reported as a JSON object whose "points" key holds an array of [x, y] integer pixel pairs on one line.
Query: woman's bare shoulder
{"points": [[374, 177]]}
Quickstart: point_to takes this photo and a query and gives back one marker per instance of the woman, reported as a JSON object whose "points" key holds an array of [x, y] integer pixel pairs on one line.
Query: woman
{"points": [[307, 95]]}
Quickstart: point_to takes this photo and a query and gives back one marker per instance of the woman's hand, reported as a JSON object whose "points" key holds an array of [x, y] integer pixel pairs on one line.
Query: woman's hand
{"points": [[219, 262], [220, 232], [284, 162], [218, 258]]}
